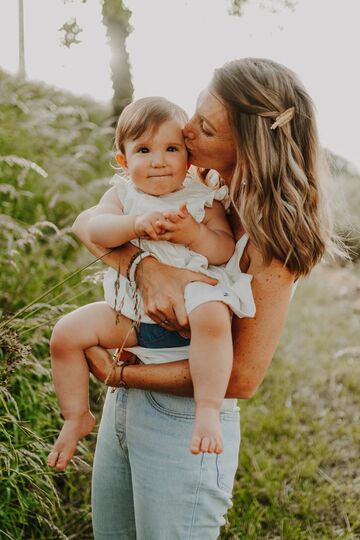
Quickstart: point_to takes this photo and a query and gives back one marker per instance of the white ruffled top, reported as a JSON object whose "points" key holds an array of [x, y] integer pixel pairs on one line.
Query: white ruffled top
{"points": [[197, 196]]}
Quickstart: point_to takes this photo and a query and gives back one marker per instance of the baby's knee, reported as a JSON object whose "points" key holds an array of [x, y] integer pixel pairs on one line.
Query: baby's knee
{"points": [[212, 318], [62, 335]]}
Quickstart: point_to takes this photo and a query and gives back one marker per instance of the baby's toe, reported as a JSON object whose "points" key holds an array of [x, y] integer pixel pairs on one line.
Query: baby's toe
{"points": [[63, 459], [195, 445], [205, 444], [219, 447], [212, 445], [52, 458]]}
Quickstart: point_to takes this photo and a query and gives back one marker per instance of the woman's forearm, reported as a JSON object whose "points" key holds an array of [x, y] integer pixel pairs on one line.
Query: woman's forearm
{"points": [[169, 378], [174, 378], [254, 339]]}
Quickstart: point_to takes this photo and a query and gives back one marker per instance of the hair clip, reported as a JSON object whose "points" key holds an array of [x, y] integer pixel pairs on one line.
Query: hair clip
{"points": [[283, 118]]}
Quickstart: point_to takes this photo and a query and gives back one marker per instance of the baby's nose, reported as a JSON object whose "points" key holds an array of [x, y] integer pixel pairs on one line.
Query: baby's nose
{"points": [[158, 160]]}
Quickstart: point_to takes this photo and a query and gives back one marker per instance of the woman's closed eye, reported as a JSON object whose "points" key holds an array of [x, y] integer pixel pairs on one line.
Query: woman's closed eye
{"points": [[203, 129]]}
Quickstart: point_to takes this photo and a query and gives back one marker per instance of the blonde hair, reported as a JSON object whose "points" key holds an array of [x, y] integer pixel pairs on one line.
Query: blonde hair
{"points": [[146, 114], [275, 187]]}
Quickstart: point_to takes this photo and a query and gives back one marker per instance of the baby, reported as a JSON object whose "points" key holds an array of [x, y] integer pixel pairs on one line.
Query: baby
{"points": [[182, 222]]}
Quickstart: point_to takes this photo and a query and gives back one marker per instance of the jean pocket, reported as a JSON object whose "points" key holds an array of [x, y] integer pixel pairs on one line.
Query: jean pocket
{"points": [[226, 470], [230, 416], [174, 406]]}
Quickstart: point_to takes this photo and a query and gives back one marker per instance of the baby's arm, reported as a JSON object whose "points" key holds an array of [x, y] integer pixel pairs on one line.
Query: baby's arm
{"points": [[110, 227], [212, 238]]}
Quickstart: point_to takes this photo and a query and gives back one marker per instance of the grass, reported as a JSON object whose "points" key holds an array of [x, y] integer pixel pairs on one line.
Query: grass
{"points": [[298, 476], [54, 161], [299, 462]]}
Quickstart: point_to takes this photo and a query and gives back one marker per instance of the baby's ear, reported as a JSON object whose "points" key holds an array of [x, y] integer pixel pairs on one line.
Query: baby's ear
{"points": [[121, 159]]}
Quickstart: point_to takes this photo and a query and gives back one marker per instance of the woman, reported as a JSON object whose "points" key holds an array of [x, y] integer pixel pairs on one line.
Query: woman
{"points": [[255, 126]]}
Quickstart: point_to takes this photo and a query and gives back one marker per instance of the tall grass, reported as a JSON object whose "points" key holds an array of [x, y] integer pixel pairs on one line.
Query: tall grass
{"points": [[54, 161]]}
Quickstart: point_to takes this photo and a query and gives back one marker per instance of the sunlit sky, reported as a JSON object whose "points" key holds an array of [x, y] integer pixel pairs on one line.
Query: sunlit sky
{"points": [[175, 45]]}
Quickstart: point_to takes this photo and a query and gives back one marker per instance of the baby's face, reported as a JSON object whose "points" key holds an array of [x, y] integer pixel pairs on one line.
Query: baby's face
{"points": [[157, 161]]}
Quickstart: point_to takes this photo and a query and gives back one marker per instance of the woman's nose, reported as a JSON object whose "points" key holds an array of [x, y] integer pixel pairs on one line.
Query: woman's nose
{"points": [[188, 131]]}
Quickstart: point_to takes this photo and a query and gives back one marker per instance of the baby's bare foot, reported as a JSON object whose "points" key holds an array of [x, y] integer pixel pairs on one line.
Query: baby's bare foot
{"points": [[65, 446], [207, 435]]}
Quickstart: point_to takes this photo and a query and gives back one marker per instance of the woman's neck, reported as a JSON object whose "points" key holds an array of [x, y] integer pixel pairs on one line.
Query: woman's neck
{"points": [[236, 226], [226, 176]]}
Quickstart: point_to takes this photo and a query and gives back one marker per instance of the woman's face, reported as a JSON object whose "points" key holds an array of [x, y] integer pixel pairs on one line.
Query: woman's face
{"points": [[208, 136]]}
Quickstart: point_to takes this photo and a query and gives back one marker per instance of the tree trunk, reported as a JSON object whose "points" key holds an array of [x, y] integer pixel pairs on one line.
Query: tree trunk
{"points": [[116, 19]]}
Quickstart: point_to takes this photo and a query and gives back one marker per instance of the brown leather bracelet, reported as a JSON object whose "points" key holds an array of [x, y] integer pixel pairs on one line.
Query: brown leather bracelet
{"points": [[122, 383]]}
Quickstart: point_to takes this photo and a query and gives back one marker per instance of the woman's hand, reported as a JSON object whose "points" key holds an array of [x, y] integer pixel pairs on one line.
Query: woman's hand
{"points": [[162, 288]]}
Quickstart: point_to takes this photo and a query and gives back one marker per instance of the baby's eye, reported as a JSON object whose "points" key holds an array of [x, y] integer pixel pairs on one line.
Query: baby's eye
{"points": [[143, 150], [172, 149]]}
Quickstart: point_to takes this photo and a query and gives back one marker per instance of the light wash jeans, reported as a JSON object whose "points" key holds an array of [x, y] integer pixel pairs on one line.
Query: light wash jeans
{"points": [[146, 483]]}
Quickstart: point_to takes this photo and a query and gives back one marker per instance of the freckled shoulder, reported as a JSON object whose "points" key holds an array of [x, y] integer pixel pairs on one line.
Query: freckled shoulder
{"points": [[275, 271]]}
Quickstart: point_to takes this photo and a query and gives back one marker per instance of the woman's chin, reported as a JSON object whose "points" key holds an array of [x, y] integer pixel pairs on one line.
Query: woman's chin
{"points": [[194, 161]]}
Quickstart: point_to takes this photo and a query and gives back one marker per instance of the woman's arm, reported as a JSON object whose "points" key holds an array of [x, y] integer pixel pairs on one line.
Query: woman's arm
{"points": [[255, 340], [152, 271]]}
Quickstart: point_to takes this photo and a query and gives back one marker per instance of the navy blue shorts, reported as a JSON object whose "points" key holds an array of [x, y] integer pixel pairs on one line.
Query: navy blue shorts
{"points": [[154, 336]]}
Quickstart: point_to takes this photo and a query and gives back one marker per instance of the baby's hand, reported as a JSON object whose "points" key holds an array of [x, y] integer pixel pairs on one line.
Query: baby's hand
{"points": [[149, 225], [179, 227]]}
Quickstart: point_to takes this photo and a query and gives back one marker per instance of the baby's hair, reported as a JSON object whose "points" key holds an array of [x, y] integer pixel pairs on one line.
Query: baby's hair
{"points": [[143, 115]]}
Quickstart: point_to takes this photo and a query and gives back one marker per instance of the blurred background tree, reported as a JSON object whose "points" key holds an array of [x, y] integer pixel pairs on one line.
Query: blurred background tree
{"points": [[272, 5], [115, 17]]}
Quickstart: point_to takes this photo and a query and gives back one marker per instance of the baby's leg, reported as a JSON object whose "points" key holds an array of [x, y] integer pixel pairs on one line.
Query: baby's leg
{"points": [[211, 354], [94, 324]]}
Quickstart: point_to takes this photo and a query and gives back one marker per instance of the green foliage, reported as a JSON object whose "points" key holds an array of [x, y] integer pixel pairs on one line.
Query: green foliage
{"points": [[52, 147], [274, 6], [298, 477], [71, 31], [345, 185]]}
